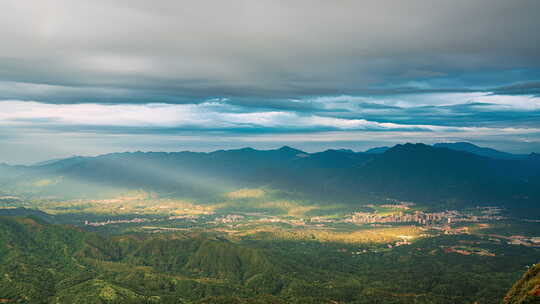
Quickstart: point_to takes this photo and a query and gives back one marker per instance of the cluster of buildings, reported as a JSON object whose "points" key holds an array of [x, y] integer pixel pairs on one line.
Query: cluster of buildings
{"points": [[405, 240], [401, 217], [230, 218], [192, 218], [109, 222], [446, 217], [320, 219], [449, 230], [467, 251], [518, 240], [293, 222]]}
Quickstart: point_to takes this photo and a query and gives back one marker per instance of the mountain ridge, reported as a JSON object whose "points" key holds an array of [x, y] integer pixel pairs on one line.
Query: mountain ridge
{"points": [[406, 171], [457, 146], [482, 151]]}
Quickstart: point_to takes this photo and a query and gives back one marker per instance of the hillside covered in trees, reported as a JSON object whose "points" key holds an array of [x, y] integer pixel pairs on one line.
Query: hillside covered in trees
{"points": [[527, 289], [49, 263]]}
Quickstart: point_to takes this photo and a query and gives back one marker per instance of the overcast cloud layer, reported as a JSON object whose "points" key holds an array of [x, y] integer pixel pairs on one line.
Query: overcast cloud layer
{"points": [[87, 77]]}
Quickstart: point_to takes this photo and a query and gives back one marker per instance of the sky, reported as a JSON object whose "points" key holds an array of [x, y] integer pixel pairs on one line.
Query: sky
{"points": [[91, 77]]}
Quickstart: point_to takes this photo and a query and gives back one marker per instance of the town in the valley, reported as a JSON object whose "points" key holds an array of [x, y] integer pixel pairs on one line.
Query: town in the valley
{"points": [[448, 222]]}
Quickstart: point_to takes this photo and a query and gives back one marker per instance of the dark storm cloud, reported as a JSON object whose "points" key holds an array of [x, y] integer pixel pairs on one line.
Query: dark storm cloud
{"points": [[184, 51]]}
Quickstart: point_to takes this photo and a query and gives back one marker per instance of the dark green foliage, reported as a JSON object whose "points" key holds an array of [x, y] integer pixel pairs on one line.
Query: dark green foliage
{"points": [[227, 261], [26, 212], [44, 263], [262, 299], [527, 289], [96, 292]]}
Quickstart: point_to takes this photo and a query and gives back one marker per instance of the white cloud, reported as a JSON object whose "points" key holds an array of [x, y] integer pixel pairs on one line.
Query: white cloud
{"points": [[510, 102], [64, 130], [207, 115]]}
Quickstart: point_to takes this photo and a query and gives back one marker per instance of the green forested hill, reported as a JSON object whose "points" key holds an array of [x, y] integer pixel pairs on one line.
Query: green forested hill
{"points": [[43, 263], [46, 263], [527, 289]]}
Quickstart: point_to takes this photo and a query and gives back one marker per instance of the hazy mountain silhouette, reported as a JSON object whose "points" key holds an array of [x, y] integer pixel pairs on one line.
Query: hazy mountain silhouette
{"points": [[483, 151], [410, 171]]}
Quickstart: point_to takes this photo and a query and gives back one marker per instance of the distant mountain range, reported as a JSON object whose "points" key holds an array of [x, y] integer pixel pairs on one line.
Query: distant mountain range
{"points": [[482, 151], [443, 174], [468, 147]]}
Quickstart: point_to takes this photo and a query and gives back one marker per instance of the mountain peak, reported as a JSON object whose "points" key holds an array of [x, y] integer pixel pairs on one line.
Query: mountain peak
{"points": [[409, 147], [482, 151], [377, 150], [289, 150], [247, 149]]}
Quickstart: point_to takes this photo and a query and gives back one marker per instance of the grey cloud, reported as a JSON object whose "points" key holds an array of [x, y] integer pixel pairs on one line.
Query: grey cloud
{"points": [[529, 88], [176, 51]]}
